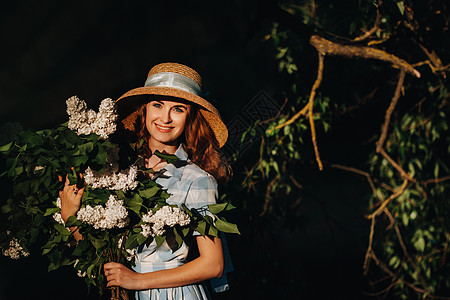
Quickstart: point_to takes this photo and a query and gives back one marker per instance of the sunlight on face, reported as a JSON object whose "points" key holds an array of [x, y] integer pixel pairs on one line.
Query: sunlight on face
{"points": [[165, 122]]}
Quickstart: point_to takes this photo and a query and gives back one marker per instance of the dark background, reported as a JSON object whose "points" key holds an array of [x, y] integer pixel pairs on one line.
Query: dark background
{"points": [[52, 50]]}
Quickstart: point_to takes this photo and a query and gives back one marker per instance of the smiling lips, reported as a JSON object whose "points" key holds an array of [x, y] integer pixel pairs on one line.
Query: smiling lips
{"points": [[163, 129]]}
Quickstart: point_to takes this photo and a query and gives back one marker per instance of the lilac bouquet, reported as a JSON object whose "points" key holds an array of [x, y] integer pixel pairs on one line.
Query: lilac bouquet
{"points": [[121, 209]]}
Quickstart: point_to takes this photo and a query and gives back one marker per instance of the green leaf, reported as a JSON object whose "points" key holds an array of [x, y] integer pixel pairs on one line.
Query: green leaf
{"points": [[73, 177], [101, 156], [150, 192], [51, 244], [212, 231], [71, 137], [141, 239], [12, 169], [135, 203], [85, 148], [178, 238], [219, 207], [419, 244], [405, 219], [6, 147], [185, 231], [62, 229], [98, 243], [44, 161], [51, 211], [401, 7], [6, 208], [89, 270], [225, 226], [76, 161], [394, 262], [186, 210], [201, 227], [35, 139], [159, 240], [132, 241], [169, 158], [120, 194], [73, 221], [81, 247], [436, 170]]}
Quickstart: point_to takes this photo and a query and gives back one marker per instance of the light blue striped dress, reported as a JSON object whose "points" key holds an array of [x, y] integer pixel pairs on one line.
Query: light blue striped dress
{"points": [[188, 184]]}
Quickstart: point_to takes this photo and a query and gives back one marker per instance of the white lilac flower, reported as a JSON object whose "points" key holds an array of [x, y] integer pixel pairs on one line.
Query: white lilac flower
{"points": [[85, 121], [146, 230], [81, 274], [165, 216], [105, 123], [75, 106], [57, 216], [15, 250], [124, 180], [38, 168], [113, 215]]}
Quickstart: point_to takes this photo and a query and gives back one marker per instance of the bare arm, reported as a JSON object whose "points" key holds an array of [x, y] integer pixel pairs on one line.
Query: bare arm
{"points": [[208, 265]]}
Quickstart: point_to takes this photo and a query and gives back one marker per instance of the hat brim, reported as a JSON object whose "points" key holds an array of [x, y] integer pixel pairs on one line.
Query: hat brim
{"points": [[128, 103]]}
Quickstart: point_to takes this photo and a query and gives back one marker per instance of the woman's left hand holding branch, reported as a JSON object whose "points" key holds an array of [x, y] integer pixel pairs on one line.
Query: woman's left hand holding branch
{"points": [[70, 203]]}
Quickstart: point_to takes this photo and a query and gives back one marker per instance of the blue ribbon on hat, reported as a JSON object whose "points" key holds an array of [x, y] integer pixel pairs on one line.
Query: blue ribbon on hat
{"points": [[174, 80]]}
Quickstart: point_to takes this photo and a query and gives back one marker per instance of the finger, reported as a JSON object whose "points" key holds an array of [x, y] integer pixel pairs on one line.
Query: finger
{"points": [[67, 181], [107, 265], [110, 283], [81, 191], [111, 265]]}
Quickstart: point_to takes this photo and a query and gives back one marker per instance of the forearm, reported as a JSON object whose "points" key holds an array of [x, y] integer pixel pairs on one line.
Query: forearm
{"points": [[195, 271], [208, 265]]}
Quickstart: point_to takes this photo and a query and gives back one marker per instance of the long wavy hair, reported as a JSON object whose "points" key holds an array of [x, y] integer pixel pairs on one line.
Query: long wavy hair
{"points": [[198, 140]]}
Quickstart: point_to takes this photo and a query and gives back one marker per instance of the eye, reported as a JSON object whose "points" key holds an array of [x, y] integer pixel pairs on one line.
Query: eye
{"points": [[156, 104], [179, 109]]}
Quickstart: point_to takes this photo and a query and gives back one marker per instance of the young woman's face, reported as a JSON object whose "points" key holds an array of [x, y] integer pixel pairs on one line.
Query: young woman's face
{"points": [[165, 121]]}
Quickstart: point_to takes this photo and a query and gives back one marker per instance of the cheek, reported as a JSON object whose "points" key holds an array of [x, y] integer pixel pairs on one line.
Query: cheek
{"points": [[182, 122], [147, 123], [149, 116]]}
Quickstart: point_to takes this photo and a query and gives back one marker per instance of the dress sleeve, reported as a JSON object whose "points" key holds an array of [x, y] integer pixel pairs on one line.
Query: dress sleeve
{"points": [[203, 191]]}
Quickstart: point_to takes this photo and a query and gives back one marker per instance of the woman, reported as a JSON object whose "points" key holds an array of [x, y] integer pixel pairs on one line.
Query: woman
{"points": [[172, 118]]}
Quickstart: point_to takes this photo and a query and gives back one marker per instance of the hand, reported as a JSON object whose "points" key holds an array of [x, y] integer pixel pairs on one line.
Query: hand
{"points": [[155, 163], [119, 275], [70, 199]]}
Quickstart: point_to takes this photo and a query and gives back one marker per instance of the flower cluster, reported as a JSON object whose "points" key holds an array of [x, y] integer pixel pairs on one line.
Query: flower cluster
{"points": [[124, 180], [57, 216], [166, 215], [15, 250], [87, 121], [113, 215]]}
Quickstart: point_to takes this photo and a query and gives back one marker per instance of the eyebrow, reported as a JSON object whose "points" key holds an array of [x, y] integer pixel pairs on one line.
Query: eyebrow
{"points": [[176, 105]]}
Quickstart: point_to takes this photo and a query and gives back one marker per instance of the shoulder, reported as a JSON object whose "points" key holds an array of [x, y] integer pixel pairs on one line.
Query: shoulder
{"points": [[198, 176], [202, 187]]}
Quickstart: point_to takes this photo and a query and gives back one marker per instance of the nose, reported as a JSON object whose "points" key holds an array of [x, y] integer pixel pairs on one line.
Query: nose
{"points": [[166, 116]]}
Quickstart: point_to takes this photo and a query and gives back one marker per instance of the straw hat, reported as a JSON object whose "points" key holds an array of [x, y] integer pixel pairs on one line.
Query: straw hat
{"points": [[171, 80]]}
